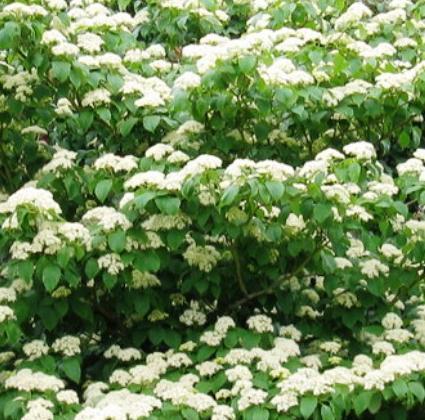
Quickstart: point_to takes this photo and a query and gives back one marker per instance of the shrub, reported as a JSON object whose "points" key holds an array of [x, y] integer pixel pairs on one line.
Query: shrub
{"points": [[192, 225]]}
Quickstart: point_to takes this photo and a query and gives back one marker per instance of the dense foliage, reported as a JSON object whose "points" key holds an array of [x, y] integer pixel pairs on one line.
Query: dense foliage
{"points": [[212, 209]]}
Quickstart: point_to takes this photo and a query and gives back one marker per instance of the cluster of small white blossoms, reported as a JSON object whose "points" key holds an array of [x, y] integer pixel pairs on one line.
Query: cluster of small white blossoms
{"points": [[67, 346], [205, 258], [121, 404], [6, 314], [112, 263], [214, 337], [27, 380], [116, 163], [21, 83], [35, 349], [107, 218], [62, 159], [260, 323], [40, 199], [193, 316], [39, 409], [125, 355], [51, 238]]}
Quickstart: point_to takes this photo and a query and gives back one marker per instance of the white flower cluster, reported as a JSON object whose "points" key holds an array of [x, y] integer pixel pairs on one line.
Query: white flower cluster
{"points": [[38, 198], [27, 380], [67, 345]]}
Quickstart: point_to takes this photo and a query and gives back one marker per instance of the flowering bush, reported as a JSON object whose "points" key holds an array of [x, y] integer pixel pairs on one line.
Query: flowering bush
{"points": [[191, 225]]}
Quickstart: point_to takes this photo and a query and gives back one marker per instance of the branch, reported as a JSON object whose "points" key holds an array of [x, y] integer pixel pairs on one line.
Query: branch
{"points": [[241, 282], [276, 285]]}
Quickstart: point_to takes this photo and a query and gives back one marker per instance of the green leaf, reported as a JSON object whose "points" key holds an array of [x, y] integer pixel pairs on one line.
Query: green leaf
{"points": [[168, 205], [147, 261], [143, 199], [109, 280], [190, 414], [72, 369], [13, 407], [85, 119], [322, 211], [102, 189], [122, 4], [354, 171], [204, 353], [25, 270], [151, 122], [404, 139], [401, 208], [61, 70], [172, 339], [9, 34], [175, 238], [125, 126], [51, 276], [247, 63], [328, 261], [417, 389], [361, 402], [256, 413], [275, 189], [155, 335], [375, 403], [117, 240], [229, 195], [91, 268], [327, 413], [104, 114], [142, 304], [400, 388], [250, 339], [49, 317], [307, 406]]}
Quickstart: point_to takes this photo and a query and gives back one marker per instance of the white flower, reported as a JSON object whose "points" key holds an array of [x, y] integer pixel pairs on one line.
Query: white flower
{"points": [[159, 151], [52, 36], [411, 166], [27, 380], [39, 198], [112, 263], [373, 268], [107, 217], [251, 397], [6, 314], [383, 347], [390, 251], [7, 295], [205, 258], [295, 222], [66, 49], [67, 396], [116, 163], [96, 97], [187, 80], [361, 150], [89, 42], [35, 349], [153, 178], [260, 323], [67, 345], [208, 368]]}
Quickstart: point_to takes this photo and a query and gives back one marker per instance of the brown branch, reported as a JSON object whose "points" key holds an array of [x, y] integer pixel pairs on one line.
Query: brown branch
{"points": [[241, 282], [277, 284]]}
